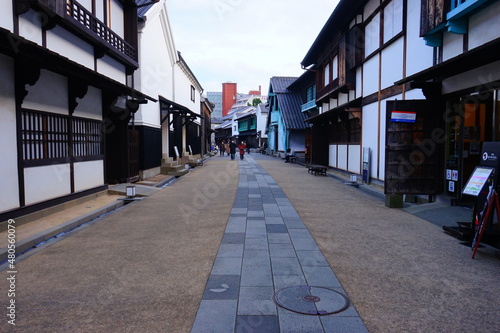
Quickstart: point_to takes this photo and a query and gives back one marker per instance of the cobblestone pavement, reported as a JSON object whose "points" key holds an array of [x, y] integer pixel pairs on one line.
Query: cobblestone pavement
{"points": [[266, 250]]}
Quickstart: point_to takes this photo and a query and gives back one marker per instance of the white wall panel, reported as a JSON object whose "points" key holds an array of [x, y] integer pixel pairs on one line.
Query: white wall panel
{"points": [[90, 106], [6, 17], [392, 63], [485, 25], [88, 175], [453, 45], [9, 196], [419, 56], [68, 45], [117, 21], [50, 93], [30, 26], [372, 35], [332, 156], [342, 157], [112, 69], [359, 84], [47, 182], [369, 134], [354, 159], [370, 76]]}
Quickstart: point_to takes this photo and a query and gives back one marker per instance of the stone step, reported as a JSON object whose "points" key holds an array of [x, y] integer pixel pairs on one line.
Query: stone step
{"points": [[178, 173], [168, 163], [165, 170]]}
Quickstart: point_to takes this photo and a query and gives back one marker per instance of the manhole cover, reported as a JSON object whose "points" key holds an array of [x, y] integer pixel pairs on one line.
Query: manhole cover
{"points": [[311, 300]]}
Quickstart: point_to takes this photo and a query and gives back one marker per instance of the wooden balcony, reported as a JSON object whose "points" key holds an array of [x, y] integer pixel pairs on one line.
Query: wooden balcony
{"points": [[76, 18]]}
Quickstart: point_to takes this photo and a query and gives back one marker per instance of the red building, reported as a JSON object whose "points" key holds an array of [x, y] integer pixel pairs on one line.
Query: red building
{"points": [[229, 96]]}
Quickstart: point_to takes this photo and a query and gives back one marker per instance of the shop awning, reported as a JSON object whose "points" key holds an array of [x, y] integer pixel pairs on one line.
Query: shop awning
{"points": [[168, 107], [477, 57]]}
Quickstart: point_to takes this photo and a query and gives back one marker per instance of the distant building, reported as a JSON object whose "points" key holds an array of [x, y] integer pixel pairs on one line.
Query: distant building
{"points": [[229, 96], [215, 97]]}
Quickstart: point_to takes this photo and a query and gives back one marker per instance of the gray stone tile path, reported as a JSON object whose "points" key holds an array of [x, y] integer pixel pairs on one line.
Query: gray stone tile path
{"points": [[265, 248]]}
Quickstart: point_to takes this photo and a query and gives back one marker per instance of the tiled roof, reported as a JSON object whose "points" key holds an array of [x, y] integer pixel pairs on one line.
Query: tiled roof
{"points": [[280, 84], [291, 112], [289, 102], [141, 11]]}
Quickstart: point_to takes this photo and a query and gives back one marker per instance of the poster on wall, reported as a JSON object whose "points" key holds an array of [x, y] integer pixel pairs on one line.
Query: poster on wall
{"points": [[403, 116], [477, 180]]}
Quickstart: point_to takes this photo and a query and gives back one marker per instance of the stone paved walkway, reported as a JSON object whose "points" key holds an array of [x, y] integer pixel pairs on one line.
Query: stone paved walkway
{"points": [[265, 248]]}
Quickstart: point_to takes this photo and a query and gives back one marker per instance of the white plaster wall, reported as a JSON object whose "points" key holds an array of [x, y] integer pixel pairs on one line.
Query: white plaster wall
{"points": [[112, 69], [453, 45], [370, 76], [6, 17], [372, 35], [90, 106], [46, 182], [261, 124], [183, 91], [68, 45], [9, 196], [30, 25], [50, 93], [369, 134], [342, 157], [484, 26], [478, 78], [354, 158], [87, 4], [88, 175], [332, 156], [155, 74], [343, 98], [359, 80], [418, 55], [392, 64], [117, 21]]}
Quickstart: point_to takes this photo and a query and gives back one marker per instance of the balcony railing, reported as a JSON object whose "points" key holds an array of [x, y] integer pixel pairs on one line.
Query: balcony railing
{"points": [[87, 19], [309, 105]]}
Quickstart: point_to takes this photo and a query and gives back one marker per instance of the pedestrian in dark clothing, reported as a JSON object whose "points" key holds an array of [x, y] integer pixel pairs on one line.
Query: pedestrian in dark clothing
{"points": [[222, 149], [242, 148], [232, 149]]}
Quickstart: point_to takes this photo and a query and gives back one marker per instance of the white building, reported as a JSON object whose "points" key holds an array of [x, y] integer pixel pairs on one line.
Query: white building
{"points": [[173, 125], [65, 69], [416, 82]]}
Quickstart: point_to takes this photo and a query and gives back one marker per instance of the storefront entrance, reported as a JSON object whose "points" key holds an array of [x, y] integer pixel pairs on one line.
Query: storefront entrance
{"points": [[470, 121]]}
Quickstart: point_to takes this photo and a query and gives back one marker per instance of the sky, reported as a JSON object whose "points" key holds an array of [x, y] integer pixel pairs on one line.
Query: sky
{"points": [[246, 41]]}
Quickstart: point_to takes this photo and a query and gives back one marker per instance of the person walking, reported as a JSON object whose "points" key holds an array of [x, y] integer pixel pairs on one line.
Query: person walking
{"points": [[222, 148], [232, 149], [242, 148]]}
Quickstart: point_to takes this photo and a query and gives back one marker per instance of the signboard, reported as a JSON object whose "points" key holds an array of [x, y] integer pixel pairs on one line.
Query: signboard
{"points": [[403, 116], [366, 165], [190, 150], [476, 182], [176, 151]]}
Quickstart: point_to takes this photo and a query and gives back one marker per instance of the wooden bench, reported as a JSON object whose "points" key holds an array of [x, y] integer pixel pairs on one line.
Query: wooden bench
{"points": [[317, 169], [292, 159]]}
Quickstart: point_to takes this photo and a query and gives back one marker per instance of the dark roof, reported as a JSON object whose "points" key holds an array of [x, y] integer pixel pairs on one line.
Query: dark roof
{"points": [[341, 17], [289, 102], [143, 6], [291, 112], [279, 84]]}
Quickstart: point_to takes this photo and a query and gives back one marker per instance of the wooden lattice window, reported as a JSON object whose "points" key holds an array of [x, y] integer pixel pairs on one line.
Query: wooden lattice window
{"points": [[48, 137], [87, 137], [44, 136]]}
